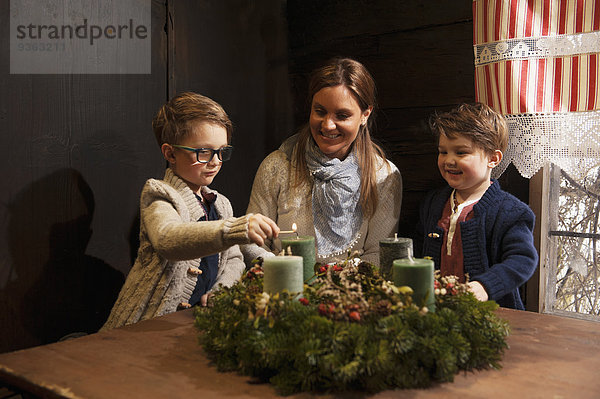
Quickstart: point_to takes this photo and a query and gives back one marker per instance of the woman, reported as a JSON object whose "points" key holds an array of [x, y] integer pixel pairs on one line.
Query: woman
{"points": [[330, 178]]}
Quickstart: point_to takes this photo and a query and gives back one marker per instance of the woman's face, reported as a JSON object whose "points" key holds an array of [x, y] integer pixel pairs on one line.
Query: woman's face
{"points": [[335, 119]]}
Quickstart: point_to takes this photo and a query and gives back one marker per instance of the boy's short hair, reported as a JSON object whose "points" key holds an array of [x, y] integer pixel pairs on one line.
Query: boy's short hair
{"points": [[477, 122], [173, 120]]}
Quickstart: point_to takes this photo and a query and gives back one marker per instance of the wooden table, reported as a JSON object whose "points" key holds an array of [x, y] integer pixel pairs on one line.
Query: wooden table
{"points": [[549, 357]]}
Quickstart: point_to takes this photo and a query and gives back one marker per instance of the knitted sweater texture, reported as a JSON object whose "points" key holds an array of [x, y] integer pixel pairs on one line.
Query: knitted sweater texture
{"points": [[172, 242], [273, 196], [497, 243]]}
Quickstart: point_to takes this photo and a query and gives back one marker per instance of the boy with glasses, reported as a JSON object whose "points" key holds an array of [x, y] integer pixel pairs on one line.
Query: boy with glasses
{"points": [[188, 235]]}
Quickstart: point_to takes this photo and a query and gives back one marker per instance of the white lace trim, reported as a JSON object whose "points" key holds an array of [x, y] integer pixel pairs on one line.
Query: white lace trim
{"points": [[570, 140], [342, 252], [537, 47]]}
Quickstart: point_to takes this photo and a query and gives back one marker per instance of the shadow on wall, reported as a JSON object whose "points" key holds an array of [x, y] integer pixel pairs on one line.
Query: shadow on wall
{"points": [[56, 288]]}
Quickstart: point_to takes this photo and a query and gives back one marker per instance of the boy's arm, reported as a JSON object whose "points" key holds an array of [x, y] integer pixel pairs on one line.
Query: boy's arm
{"points": [[175, 240], [233, 267], [384, 222], [518, 258]]}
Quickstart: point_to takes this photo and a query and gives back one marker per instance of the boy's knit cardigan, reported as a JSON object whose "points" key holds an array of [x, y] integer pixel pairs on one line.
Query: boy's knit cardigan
{"points": [[497, 243], [172, 242]]}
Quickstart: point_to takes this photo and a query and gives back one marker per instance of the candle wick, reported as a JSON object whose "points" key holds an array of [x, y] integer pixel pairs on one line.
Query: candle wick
{"points": [[297, 236], [409, 254]]}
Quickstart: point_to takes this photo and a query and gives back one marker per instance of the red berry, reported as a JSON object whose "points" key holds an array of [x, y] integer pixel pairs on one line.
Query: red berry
{"points": [[331, 308], [322, 269], [337, 268], [322, 309], [303, 301], [354, 315]]}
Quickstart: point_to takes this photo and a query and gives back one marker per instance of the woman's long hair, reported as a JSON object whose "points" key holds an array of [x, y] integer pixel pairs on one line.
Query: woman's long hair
{"points": [[355, 77]]}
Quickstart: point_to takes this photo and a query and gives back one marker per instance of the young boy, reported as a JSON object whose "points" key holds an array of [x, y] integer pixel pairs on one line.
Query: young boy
{"points": [[188, 235], [471, 226]]}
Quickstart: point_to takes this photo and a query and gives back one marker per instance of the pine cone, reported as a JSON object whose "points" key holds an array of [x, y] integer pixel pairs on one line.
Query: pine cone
{"points": [[383, 307]]}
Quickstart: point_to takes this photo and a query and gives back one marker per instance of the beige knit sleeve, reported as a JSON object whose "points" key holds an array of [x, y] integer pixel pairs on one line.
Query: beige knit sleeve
{"points": [[233, 267], [176, 240]]}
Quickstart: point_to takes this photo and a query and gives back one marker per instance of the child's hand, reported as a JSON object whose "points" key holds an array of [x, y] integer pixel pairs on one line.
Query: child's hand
{"points": [[260, 228], [204, 299], [477, 289]]}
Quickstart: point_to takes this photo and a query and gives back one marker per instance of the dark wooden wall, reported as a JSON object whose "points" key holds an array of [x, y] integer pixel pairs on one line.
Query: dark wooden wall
{"points": [[235, 52], [78, 148], [75, 150]]}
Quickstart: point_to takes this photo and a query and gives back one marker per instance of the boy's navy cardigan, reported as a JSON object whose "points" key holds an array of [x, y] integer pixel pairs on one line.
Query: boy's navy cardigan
{"points": [[497, 242]]}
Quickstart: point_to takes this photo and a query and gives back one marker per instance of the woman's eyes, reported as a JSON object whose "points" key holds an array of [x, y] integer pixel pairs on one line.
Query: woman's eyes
{"points": [[340, 117]]}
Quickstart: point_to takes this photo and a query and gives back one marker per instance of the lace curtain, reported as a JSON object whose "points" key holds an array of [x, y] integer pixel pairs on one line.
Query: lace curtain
{"points": [[537, 62]]}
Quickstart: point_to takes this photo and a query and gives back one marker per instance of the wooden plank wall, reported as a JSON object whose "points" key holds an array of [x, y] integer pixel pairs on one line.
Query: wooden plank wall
{"points": [[420, 55], [235, 52], [78, 148], [76, 151]]}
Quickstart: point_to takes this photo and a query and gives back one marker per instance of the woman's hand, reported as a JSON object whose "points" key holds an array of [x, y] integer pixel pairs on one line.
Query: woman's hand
{"points": [[260, 228], [477, 289]]}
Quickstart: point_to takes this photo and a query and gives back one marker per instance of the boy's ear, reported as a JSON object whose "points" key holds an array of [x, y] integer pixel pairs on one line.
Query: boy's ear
{"points": [[494, 159], [167, 152]]}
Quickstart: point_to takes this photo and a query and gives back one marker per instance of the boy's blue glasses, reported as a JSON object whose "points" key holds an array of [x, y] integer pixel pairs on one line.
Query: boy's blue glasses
{"points": [[204, 155]]}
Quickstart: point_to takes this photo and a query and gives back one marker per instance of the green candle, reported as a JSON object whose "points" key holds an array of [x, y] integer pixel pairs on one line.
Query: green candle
{"points": [[303, 246], [418, 275], [282, 273], [390, 249]]}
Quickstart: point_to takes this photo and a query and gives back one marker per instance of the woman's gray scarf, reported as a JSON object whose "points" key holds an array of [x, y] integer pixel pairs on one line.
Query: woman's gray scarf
{"points": [[337, 212]]}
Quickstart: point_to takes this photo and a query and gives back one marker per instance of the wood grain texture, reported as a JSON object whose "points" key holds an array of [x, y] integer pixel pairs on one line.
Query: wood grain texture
{"points": [[235, 52], [549, 356], [78, 149]]}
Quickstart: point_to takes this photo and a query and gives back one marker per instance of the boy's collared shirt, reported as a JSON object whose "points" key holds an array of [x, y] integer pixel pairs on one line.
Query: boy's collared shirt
{"points": [[452, 255], [209, 265]]}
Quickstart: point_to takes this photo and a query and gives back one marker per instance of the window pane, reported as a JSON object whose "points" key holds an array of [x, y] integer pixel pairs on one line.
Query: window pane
{"points": [[574, 242]]}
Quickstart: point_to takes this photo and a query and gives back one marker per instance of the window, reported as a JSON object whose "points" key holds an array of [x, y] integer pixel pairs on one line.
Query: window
{"points": [[570, 243]]}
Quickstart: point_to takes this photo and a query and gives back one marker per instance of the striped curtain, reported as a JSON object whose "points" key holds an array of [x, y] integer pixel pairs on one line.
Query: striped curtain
{"points": [[537, 62]]}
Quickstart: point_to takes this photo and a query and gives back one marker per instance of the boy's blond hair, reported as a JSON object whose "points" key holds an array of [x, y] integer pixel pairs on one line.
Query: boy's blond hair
{"points": [[173, 120], [485, 127]]}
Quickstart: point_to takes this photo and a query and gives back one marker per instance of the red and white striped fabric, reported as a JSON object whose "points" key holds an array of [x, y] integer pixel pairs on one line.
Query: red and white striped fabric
{"points": [[539, 58]]}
